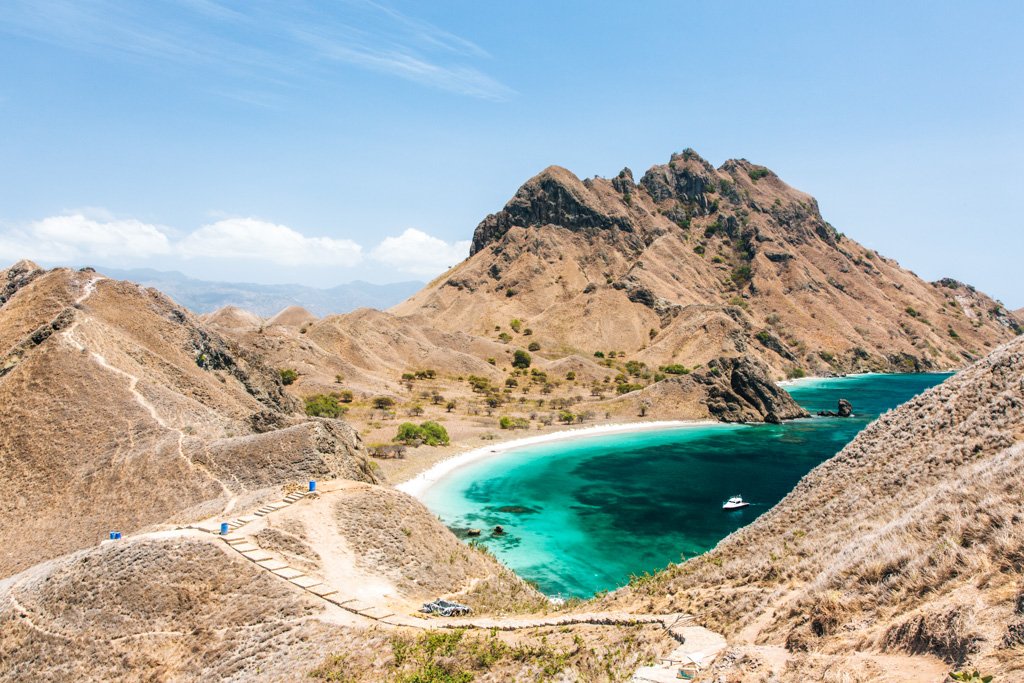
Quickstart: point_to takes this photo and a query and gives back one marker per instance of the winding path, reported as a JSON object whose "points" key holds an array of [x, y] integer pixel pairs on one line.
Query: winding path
{"points": [[696, 644]]}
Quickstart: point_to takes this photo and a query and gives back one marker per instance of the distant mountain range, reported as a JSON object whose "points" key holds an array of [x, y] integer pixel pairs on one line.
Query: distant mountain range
{"points": [[204, 296]]}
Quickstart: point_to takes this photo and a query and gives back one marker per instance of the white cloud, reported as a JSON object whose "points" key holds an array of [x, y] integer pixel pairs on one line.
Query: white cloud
{"points": [[94, 236], [418, 253], [257, 240], [76, 236]]}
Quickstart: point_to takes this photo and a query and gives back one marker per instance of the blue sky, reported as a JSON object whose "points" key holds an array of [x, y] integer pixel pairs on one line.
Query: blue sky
{"points": [[324, 142]]}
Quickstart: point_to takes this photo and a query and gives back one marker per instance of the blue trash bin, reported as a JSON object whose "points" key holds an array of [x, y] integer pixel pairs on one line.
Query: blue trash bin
{"points": [[113, 535], [312, 486], [223, 528]]}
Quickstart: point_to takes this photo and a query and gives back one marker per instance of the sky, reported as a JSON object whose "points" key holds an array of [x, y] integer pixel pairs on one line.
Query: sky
{"points": [[322, 142]]}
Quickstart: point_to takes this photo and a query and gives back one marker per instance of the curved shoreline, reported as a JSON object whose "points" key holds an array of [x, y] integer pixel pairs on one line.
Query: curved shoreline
{"points": [[419, 483]]}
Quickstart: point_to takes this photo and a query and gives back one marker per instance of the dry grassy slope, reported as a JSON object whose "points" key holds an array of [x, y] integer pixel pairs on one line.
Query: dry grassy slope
{"points": [[613, 264], [233, 318], [118, 410], [909, 540], [157, 610], [183, 607], [293, 316]]}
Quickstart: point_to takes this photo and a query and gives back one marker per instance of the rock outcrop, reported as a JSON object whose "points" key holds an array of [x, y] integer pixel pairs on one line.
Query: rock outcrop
{"points": [[739, 390], [844, 409]]}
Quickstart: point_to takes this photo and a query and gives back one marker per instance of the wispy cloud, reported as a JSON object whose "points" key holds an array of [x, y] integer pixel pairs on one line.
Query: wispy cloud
{"points": [[272, 44]]}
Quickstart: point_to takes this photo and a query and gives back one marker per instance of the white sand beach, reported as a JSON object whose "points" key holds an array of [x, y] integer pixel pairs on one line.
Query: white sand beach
{"points": [[422, 481]]}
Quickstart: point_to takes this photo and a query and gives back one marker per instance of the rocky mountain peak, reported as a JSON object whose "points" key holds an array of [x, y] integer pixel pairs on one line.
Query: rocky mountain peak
{"points": [[555, 196]]}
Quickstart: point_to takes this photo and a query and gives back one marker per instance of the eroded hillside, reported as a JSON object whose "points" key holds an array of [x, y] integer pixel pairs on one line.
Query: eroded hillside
{"points": [[119, 409]]}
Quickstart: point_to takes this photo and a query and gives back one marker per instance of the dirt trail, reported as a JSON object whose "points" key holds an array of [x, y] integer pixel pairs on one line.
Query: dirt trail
{"points": [[70, 335]]}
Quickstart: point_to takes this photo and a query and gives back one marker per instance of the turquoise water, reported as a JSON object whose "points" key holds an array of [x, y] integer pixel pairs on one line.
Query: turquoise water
{"points": [[581, 516]]}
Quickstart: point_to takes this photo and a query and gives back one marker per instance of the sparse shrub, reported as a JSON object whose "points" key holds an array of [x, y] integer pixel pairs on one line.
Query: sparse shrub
{"points": [[505, 337], [598, 354], [742, 275], [534, 346], [570, 375], [345, 396], [288, 376], [758, 173], [516, 325]]}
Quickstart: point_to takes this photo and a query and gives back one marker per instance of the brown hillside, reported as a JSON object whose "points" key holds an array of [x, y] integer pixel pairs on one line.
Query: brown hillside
{"points": [[693, 263], [909, 541], [232, 317], [119, 409], [293, 316]]}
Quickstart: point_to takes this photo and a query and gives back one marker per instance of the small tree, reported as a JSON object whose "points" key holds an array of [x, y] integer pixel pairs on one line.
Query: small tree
{"points": [[345, 396], [566, 417], [521, 359], [288, 376], [383, 403], [452, 405]]}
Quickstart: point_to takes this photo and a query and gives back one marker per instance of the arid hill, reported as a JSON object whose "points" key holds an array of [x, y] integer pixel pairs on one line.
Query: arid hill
{"points": [[693, 263], [908, 542], [119, 410]]}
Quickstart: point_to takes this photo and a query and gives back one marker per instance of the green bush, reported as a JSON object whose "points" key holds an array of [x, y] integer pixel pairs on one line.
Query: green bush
{"points": [[675, 369], [288, 376], [436, 434], [516, 325], [758, 173], [521, 359], [742, 275], [383, 403], [626, 387], [429, 433], [324, 405], [505, 337], [507, 422], [534, 346]]}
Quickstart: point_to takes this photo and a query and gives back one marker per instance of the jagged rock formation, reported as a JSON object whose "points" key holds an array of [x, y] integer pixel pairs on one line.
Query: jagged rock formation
{"points": [[119, 409], [692, 263], [844, 409], [909, 541], [728, 390]]}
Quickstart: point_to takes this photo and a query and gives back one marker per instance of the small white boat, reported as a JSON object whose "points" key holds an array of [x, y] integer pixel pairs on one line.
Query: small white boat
{"points": [[735, 503]]}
